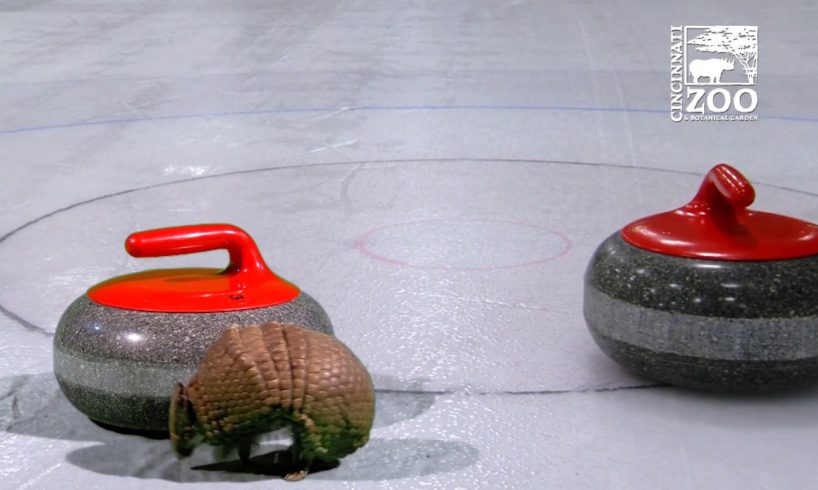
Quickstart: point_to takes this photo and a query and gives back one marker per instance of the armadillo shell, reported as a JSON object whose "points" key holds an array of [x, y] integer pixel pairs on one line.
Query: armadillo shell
{"points": [[262, 377]]}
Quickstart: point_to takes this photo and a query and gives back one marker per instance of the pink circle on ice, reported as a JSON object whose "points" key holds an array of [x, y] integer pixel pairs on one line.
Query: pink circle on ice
{"points": [[450, 244]]}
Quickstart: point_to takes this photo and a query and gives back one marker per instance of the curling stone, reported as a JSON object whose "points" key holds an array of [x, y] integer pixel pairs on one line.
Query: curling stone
{"points": [[120, 349], [711, 295]]}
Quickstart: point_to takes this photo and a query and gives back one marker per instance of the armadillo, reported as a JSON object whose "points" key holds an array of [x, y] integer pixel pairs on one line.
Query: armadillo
{"points": [[260, 378]]}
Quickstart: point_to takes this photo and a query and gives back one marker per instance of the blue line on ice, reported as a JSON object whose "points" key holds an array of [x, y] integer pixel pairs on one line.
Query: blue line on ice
{"points": [[299, 110]]}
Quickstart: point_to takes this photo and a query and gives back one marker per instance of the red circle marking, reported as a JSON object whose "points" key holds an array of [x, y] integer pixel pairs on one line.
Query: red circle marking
{"points": [[362, 245]]}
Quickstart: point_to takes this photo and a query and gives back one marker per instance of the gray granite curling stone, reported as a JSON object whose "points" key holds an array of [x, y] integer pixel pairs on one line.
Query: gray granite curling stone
{"points": [[119, 366], [716, 325], [120, 349], [711, 295]]}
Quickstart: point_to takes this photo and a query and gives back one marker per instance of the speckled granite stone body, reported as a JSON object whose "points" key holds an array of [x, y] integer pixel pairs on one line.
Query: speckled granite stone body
{"points": [[719, 325], [119, 366]]}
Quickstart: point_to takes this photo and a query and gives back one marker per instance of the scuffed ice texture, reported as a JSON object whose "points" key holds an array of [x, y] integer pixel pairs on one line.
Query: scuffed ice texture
{"points": [[260, 378], [119, 366], [68, 442], [577, 440], [219, 87], [705, 324]]}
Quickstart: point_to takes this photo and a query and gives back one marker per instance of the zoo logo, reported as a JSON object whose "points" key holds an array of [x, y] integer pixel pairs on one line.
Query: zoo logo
{"points": [[705, 87]]}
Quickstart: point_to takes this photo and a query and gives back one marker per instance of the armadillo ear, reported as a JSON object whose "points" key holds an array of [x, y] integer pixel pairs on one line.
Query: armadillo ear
{"points": [[181, 421]]}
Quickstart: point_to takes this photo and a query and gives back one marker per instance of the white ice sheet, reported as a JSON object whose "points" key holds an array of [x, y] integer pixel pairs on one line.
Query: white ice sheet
{"points": [[437, 176]]}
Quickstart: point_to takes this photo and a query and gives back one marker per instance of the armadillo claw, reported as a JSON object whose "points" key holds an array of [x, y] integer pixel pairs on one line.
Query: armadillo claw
{"points": [[296, 475]]}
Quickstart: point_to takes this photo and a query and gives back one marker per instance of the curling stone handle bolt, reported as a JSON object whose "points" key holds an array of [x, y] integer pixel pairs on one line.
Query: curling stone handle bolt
{"points": [[245, 257], [724, 191]]}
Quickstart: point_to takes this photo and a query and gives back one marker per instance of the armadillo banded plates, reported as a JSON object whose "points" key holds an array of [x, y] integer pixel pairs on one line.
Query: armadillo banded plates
{"points": [[261, 378]]}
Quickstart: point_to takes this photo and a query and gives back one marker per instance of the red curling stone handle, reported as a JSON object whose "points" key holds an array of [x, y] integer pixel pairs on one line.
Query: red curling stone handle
{"points": [[245, 257], [724, 190], [717, 225]]}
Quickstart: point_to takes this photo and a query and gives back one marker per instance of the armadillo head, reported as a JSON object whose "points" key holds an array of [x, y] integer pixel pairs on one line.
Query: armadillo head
{"points": [[182, 423]]}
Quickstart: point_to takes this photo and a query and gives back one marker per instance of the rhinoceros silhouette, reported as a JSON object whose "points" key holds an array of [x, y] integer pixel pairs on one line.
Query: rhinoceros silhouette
{"points": [[711, 68]]}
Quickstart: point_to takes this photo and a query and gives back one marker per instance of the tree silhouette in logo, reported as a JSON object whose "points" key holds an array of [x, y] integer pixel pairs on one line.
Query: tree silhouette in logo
{"points": [[740, 41]]}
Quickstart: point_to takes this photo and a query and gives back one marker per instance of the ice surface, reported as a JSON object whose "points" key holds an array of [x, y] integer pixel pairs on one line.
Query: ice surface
{"points": [[437, 176]]}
